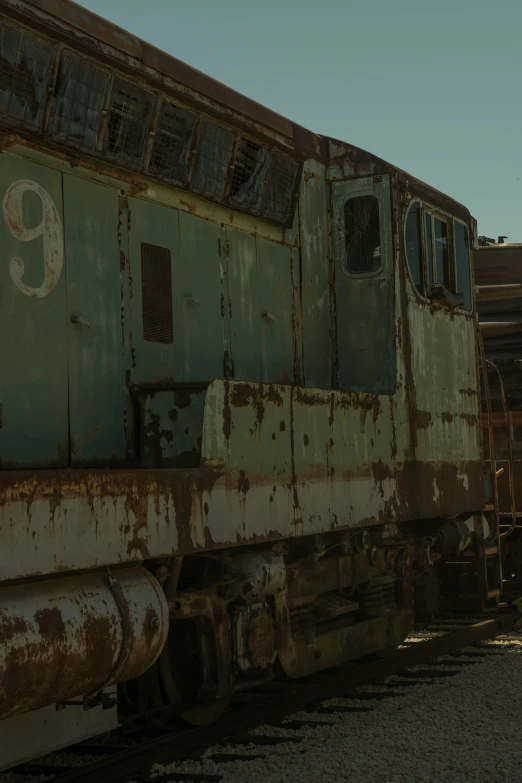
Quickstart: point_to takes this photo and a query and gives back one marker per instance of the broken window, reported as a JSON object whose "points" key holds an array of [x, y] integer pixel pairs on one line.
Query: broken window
{"points": [[129, 119], [280, 189], [462, 263], [25, 67], [413, 239], [250, 175], [215, 151], [171, 151], [156, 294], [78, 102], [362, 235]]}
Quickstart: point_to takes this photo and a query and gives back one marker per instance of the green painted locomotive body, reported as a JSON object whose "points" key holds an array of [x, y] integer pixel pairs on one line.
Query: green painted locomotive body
{"points": [[233, 352]]}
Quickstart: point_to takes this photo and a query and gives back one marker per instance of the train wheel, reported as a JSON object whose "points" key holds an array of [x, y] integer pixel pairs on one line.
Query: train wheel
{"points": [[185, 669]]}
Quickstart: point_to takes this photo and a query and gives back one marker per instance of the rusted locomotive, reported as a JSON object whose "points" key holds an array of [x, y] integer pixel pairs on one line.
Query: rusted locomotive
{"points": [[240, 430]]}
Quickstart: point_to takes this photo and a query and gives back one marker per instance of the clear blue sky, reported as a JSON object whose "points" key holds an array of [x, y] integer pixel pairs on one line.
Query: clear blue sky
{"points": [[433, 87]]}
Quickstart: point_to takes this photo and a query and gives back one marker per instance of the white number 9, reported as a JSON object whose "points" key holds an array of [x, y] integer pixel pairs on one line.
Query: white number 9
{"points": [[50, 229]]}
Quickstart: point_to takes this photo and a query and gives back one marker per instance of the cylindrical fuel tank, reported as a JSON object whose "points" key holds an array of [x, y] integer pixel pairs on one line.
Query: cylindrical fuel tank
{"points": [[72, 636]]}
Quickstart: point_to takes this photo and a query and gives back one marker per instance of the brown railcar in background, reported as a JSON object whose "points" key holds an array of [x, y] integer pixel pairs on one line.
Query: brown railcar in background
{"points": [[498, 277]]}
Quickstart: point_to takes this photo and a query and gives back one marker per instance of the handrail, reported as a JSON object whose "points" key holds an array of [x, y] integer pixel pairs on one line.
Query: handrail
{"points": [[510, 450]]}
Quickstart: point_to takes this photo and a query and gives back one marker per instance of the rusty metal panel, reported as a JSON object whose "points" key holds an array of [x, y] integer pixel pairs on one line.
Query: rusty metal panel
{"points": [[274, 279], [33, 356], [497, 264], [204, 296], [153, 224], [259, 445], [444, 367], [65, 637], [291, 235], [172, 425], [54, 521], [315, 285], [365, 294], [245, 319], [95, 352]]}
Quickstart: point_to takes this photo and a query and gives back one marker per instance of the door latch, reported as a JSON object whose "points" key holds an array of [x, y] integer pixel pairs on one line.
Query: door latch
{"points": [[80, 321]]}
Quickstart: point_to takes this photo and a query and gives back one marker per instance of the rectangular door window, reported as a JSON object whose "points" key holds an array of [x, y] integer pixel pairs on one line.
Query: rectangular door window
{"points": [[363, 235]]}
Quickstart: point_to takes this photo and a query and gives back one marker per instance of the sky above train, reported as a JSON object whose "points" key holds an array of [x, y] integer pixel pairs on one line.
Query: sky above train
{"points": [[432, 87]]}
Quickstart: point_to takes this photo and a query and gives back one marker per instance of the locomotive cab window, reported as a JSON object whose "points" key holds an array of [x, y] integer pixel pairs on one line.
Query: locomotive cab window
{"points": [[437, 254], [414, 245], [438, 251], [362, 235]]}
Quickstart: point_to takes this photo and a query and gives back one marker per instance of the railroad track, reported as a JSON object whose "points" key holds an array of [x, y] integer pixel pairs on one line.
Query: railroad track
{"points": [[162, 742]]}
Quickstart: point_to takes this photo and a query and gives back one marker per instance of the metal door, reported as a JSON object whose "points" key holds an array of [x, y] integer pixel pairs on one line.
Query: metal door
{"points": [[245, 317], [204, 268], [33, 349], [157, 338], [364, 285], [95, 350], [274, 276]]}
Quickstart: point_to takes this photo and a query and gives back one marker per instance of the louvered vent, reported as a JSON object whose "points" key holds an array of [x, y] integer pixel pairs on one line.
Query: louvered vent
{"points": [[156, 294]]}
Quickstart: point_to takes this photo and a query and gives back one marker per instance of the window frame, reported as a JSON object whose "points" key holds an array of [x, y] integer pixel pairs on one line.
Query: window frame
{"points": [[384, 260], [469, 233], [436, 213], [158, 97]]}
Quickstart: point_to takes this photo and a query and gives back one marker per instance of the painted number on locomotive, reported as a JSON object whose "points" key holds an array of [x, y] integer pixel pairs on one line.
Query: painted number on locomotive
{"points": [[50, 228]]}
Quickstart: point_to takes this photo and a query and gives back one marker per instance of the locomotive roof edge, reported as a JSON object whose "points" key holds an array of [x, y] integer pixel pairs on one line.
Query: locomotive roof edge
{"points": [[98, 37]]}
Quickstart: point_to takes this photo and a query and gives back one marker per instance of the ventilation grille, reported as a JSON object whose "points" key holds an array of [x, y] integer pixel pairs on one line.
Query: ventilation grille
{"points": [[172, 145], [251, 171], [281, 188], [78, 102], [156, 294], [129, 119], [25, 66], [215, 151]]}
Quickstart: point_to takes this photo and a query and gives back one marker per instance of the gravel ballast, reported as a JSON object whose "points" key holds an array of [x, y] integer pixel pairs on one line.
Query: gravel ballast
{"points": [[460, 728]]}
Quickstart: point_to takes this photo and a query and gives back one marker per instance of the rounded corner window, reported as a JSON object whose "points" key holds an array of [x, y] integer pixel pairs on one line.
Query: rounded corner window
{"points": [[413, 245], [362, 228]]}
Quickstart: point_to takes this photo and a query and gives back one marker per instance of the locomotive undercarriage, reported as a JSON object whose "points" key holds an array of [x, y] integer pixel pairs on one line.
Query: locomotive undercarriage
{"points": [[289, 610], [87, 651]]}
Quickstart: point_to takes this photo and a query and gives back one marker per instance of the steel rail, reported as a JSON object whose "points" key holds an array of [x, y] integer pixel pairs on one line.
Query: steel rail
{"points": [[134, 763]]}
